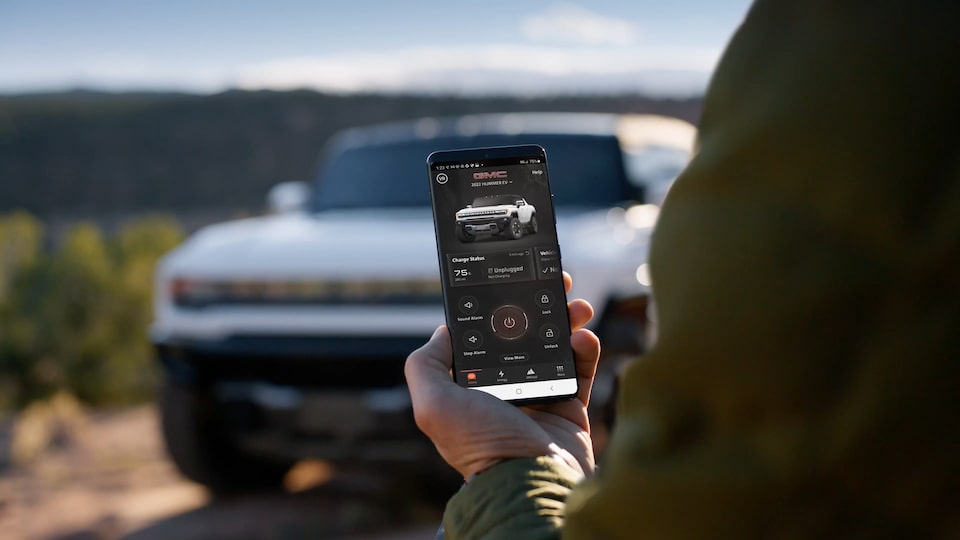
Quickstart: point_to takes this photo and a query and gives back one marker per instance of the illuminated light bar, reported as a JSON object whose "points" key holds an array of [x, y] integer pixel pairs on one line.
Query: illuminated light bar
{"points": [[199, 293], [483, 213]]}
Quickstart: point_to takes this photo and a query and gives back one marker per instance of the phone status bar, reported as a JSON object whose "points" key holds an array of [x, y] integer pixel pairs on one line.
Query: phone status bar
{"points": [[448, 166], [494, 162]]}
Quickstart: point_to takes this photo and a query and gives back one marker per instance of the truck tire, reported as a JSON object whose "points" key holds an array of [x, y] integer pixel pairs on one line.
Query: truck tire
{"points": [[532, 226], [463, 235], [204, 451], [514, 230]]}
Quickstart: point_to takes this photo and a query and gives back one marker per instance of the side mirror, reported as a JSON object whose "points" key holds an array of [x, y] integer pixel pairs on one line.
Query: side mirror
{"points": [[288, 197]]}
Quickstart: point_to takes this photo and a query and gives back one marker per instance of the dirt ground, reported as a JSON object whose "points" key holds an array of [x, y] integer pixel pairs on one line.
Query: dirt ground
{"points": [[111, 479]]}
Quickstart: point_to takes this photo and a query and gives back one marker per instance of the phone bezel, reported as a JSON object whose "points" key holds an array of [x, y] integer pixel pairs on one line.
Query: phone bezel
{"points": [[479, 154]]}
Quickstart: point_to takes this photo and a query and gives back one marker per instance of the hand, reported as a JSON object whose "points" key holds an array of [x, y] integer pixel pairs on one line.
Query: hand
{"points": [[473, 430]]}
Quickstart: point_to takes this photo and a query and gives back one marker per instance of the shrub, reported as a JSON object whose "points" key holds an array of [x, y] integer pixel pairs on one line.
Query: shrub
{"points": [[75, 318]]}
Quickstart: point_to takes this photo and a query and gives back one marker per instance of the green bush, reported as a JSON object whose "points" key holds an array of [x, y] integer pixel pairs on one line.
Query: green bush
{"points": [[75, 318]]}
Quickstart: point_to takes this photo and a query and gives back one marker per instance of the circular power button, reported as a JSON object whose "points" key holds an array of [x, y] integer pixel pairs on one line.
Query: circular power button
{"points": [[509, 322]]}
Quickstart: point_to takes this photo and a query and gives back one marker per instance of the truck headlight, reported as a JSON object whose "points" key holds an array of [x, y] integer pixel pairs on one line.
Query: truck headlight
{"points": [[191, 292]]}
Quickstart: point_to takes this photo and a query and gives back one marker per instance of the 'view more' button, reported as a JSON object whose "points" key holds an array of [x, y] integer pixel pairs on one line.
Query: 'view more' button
{"points": [[515, 357]]}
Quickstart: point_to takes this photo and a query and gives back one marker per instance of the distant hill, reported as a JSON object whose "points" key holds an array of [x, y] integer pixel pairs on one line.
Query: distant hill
{"points": [[90, 154]]}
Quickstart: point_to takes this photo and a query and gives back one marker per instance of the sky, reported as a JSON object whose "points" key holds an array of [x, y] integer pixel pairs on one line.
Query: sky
{"points": [[468, 47]]}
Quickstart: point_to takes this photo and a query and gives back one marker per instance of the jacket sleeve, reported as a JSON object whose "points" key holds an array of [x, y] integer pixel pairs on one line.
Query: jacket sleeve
{"points": [[805, 271], [520, 498]]}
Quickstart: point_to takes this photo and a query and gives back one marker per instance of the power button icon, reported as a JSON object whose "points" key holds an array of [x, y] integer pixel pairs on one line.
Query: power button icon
{"points": [[509, 322]]}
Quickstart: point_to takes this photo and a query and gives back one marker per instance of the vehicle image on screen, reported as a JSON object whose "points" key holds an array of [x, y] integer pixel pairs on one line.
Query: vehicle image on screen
{"points": [[508, 216], [283, 337]]}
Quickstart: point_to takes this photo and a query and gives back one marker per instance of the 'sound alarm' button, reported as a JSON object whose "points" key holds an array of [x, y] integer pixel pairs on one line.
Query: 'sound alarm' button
{"points": [[468, 305]]}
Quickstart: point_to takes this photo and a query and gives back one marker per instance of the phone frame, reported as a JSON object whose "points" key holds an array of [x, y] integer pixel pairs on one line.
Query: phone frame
{"points": [[480, 154]]}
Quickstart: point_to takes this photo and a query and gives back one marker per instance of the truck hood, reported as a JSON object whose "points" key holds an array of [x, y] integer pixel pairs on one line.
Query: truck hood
{"points": [[365, 243], [350, 243]]}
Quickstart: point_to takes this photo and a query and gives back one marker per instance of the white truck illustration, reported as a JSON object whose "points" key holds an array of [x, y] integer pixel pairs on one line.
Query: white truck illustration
{"points": [[496, 215]]}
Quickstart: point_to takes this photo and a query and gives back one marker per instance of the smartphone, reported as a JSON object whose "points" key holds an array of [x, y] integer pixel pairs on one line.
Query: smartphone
{"points": [[503, 292]]}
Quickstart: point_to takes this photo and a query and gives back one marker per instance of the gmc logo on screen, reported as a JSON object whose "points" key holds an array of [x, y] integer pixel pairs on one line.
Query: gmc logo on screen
{"points": [[489, 175]]}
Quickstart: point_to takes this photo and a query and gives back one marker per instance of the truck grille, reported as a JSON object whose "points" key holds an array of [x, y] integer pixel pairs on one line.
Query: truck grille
{"points": [[322, 362]]}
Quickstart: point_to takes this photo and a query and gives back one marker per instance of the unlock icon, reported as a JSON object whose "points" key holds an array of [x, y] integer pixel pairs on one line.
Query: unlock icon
{"points": [[549, 333]]}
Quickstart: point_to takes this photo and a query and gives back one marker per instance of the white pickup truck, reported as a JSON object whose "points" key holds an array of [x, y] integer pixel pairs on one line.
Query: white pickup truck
{"points": [[497, 215], [284, 336]]}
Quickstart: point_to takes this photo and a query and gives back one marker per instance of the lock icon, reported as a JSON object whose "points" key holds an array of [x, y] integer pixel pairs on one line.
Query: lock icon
{"points": [[544, 299], [549, 333]]}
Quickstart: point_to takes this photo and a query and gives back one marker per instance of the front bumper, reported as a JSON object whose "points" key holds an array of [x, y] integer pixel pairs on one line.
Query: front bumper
{"points": [[484, 226], [345, 362], [294, 423], [292, 397]]}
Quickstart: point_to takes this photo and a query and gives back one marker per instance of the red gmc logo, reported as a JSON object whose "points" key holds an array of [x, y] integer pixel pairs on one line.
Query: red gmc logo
{"points": [[489, 175]]}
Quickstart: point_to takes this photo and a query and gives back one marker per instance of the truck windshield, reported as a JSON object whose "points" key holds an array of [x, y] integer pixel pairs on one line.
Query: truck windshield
{"points": [[496, 200], [585, 170]]}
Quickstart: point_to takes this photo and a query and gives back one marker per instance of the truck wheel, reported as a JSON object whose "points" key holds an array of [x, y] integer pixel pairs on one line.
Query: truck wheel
{"points": [[532, 226], [514, 229], [204, 451], [463, 235]]}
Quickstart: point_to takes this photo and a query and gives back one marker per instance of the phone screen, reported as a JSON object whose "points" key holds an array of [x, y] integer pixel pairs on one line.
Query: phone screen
{"points": [[500, 265]]}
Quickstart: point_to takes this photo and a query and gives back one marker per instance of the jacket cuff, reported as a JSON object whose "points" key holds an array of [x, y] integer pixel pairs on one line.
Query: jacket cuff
{"points": [[519, 497]]}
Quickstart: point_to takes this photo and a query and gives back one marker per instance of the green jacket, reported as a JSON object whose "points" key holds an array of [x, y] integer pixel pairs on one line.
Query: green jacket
{"points": [[806, 381]]}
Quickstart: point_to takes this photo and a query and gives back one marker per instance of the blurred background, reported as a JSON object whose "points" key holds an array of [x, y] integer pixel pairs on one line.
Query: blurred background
{"points": [[127, 127]]}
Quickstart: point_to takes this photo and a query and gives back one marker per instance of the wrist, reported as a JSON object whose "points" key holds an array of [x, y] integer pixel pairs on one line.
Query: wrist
{"points": [[557, 454], [566, 458], [481, 468]]}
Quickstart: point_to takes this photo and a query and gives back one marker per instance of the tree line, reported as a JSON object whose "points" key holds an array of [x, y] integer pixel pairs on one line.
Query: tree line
{"points": [[86, 154]]}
